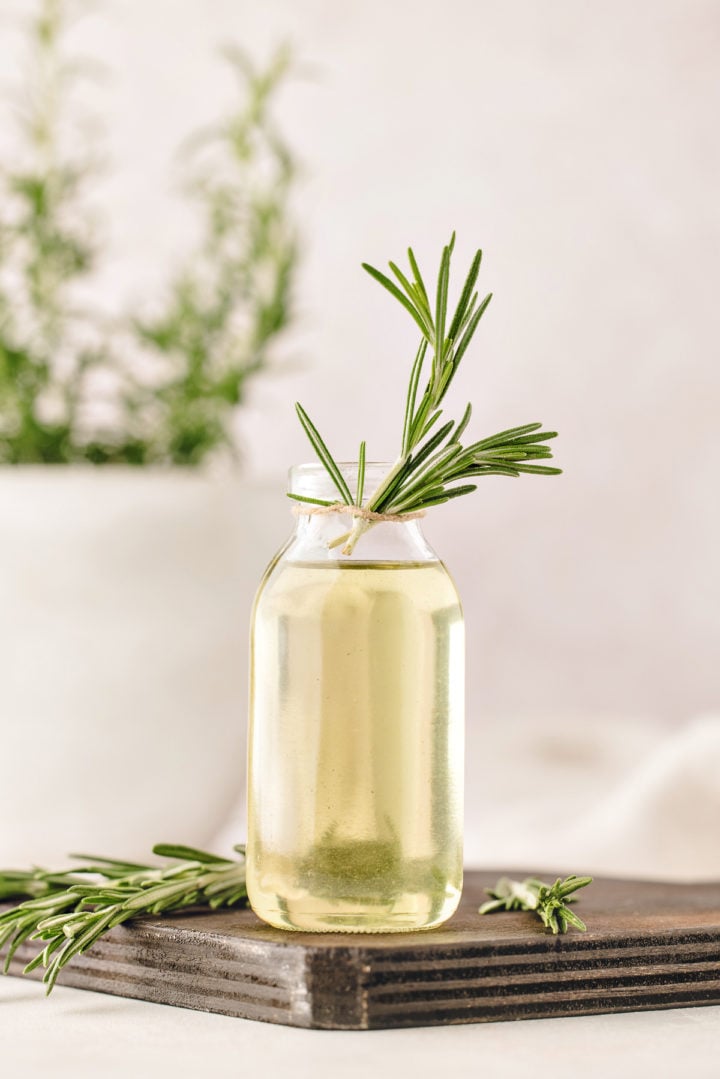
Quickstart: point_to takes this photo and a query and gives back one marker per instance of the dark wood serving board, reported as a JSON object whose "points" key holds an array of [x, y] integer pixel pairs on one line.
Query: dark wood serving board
{"points": [[648, 945]]}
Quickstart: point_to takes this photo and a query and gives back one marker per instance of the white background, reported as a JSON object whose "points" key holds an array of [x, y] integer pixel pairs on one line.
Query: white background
{"points": [[577, 144]]}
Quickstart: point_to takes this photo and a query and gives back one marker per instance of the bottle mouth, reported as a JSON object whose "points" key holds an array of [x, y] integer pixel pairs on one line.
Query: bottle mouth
{"points": [[312, 480]]}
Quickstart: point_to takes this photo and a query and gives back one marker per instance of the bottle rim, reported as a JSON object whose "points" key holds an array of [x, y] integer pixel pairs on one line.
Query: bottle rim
{"points": [[312, 480]]}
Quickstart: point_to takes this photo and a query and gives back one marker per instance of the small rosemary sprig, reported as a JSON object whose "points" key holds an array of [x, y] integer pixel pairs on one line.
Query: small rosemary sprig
{"points": [[431, 467], [70, 911], [550, 902]]}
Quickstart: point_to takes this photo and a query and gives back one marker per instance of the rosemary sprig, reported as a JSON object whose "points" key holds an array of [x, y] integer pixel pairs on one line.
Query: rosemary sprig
{"points": [[170, 372], [431, 468], [69, 911], [550, 902]]}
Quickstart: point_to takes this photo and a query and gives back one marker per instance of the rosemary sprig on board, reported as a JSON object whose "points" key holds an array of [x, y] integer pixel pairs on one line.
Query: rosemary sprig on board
{"points": [[69, 911], [433, 464], [550, 902]]}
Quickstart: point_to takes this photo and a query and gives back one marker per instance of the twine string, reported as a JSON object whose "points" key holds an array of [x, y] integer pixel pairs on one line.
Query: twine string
{"points": [[301, 510]]}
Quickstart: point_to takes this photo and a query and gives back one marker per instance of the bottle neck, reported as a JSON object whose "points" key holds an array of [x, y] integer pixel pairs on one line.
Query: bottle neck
{"points": [[323, 533]]}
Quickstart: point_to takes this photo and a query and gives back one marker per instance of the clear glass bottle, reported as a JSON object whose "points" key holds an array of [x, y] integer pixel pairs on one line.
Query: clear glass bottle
{"points": [[355, 771]]}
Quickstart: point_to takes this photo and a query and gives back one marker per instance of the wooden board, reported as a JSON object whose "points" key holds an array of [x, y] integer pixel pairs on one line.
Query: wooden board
{"points": [[648, 945]]}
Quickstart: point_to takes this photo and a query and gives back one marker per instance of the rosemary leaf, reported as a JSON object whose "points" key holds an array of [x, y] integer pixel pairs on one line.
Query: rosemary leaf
{"points": [[418, 276], [395, 291], [459, 430], [465, 296], [412, 394], [441, 307], [361, 475], [312, 501], [325, 456], [413, 293], [470, 330], [540, 470]]}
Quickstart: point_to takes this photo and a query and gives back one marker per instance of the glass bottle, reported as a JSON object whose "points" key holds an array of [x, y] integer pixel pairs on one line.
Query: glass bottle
{"points": [[355, 770]]}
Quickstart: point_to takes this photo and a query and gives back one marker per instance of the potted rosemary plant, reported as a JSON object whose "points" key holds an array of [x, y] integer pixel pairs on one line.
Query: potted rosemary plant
{"points": [[128, 537]]}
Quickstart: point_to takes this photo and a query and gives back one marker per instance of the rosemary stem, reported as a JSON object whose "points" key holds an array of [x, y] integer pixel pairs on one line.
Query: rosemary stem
{"points": [[379, 491], [339, 540], [361, 525]]}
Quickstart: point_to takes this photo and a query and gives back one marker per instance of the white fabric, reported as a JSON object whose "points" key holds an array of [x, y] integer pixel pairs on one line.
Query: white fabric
{"points": [[610, 796]]}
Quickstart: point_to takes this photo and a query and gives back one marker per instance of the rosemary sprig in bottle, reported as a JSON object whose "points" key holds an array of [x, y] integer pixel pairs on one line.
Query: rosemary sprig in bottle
{"points": [[433, 464], [69, 911]]}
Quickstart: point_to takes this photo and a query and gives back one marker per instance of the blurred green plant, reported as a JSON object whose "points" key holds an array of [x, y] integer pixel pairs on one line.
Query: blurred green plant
{"points": [[170, 377]]}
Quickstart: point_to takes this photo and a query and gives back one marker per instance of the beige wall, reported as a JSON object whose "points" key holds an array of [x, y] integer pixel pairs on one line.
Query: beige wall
{"points": [[577, 143]]}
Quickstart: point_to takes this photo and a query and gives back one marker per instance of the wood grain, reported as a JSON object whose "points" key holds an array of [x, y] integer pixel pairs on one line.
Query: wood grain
{"points": [[648, 945]]}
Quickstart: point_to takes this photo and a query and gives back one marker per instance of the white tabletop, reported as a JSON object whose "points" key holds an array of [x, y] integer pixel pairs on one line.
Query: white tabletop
{"points": [[81, 1034]]}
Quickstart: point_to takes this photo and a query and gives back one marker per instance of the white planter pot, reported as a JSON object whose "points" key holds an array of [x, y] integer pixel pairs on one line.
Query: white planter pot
{"points": [[125, 597]]}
